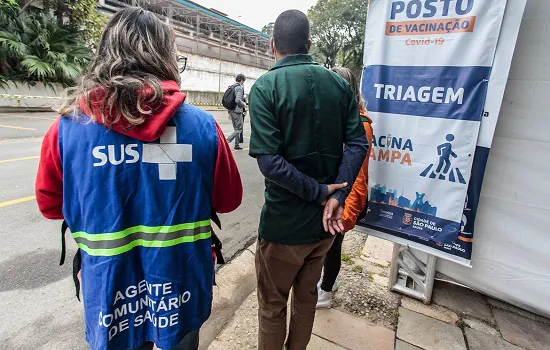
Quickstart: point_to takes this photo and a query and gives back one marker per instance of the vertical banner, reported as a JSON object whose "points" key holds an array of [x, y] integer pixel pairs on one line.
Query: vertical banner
{"points": [[427, 68]]}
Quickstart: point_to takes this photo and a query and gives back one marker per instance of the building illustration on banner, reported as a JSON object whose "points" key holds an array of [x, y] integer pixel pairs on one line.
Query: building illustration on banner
{"points": [[381, 194], [444, 170]]}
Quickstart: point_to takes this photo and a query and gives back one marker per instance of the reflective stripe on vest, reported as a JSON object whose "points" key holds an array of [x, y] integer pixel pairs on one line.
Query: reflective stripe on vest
{"points": [[109, 244]]}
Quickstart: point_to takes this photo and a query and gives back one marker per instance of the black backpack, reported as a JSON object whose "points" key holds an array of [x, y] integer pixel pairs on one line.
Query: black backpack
{"points": [[228, 99]]}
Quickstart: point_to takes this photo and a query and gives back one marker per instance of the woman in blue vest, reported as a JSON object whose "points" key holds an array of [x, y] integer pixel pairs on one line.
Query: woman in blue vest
{"points": [[136, 174]]}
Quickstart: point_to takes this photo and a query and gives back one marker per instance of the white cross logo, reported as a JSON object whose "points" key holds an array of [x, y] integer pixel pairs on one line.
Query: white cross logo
{"points": [[167, 154]]}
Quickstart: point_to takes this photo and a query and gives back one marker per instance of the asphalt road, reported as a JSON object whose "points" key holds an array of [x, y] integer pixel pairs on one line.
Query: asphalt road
{"points": [[38, 308]]}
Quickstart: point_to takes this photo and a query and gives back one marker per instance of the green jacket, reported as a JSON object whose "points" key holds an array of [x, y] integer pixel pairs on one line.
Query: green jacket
{"points": [[305, 113]]}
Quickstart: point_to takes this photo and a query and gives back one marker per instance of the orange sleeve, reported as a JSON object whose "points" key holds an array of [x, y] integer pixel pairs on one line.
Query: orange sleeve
{"points": [[357, 199]]}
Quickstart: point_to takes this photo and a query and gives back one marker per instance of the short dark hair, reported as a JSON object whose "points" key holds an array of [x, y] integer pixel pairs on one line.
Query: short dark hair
{"points": [[240, 77], [291, 33]]}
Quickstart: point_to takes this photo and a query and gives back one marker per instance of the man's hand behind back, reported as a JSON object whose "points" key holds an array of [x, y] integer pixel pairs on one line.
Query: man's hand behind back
{"points": [[332, 217]]}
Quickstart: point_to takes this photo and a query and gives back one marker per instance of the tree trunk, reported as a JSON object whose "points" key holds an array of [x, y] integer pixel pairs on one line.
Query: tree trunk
{"points": [[25, 6], [59, 11]]}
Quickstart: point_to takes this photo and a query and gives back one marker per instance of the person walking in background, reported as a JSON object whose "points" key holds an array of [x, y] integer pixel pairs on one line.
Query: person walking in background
{"points": [[355, 203], [237, 113], [136, 174], [301, 116]]}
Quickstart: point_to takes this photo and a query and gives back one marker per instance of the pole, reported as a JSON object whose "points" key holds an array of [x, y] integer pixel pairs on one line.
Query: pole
{"points": [[198, 31], [256, 52], [170, 14], [240, 43], [220, 58]]}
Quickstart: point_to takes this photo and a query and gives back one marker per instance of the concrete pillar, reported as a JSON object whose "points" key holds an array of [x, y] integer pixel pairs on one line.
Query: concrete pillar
{"points": [[170, 14], [220, 58], [256, 51], [240, 45], [197, 34]]}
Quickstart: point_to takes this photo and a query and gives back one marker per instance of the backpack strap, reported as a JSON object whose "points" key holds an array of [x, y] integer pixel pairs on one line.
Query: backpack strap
{"points": [[216, 243], [64, 228], [77, 260], [215, 218], [77, 263], [217, 249]]}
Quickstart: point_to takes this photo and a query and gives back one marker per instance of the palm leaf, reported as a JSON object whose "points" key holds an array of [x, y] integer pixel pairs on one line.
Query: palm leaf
{"points": [[3, 82], [11, 43], [66, 71], [35, 47], [53, 56], [38, 68], [79, 54]]}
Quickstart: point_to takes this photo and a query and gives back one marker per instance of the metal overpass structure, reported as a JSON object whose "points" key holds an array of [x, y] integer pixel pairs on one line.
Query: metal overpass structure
{"points": [[205, 32]]}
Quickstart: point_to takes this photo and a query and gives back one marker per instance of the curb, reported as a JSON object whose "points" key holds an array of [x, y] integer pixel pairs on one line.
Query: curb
{"points": [[12, 109], [20, 97], [8, 109], [235, 281], [206, 106]]}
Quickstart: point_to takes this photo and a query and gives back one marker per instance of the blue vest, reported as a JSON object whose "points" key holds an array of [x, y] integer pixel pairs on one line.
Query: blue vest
{"points": [[140, 213]]}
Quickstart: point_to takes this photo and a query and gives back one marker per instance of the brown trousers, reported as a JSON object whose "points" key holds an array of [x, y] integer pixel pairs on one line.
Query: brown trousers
{"points": [[278, 269]]}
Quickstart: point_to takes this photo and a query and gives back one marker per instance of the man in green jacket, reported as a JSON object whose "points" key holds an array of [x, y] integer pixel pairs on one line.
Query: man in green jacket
{"points": [[301, 115]]}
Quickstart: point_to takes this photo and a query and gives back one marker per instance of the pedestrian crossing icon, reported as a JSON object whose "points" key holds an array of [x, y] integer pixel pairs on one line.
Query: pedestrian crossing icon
{"points": [[444, 170]]}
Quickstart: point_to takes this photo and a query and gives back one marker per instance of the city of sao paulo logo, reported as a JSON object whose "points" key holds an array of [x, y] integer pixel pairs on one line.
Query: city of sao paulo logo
{"points": [[407, 219], [444, 170]]}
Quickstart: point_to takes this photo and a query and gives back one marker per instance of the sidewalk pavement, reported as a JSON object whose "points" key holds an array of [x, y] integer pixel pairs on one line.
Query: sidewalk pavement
{"points": [[366, 316]]}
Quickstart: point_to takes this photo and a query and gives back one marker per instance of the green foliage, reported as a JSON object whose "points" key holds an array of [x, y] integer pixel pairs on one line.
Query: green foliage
{"points": [[318, 55], [346, 258], [86, 19], [268, 28], [337, 32], [36, 47], [3, 82], [370, 276], [10, 7], [326, 33]]}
